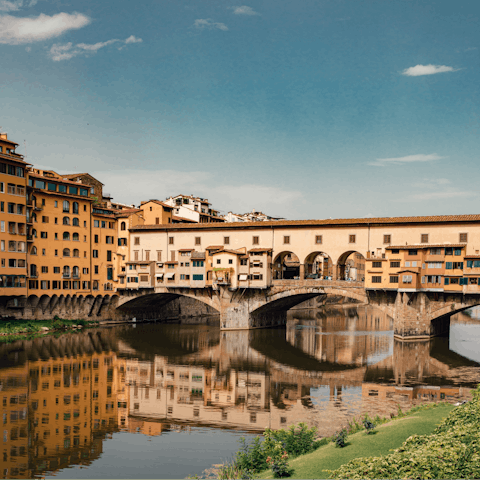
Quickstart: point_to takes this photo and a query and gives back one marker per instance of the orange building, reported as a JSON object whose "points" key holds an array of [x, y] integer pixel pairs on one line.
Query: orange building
{"points": [[59, 235], [156, 212], [13, 228]]}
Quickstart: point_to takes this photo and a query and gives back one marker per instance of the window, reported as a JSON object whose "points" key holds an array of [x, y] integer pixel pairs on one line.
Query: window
{"points": [[351, 238], [95, 253], [170, 240], [109, 255], [435, 251], [376, 279], [394, 264], [123, 226], [75, 222], [407, 279], [56, 269], [424, 238], [219, 261], [44, 219], [377, 264], [198, 240], [255, 240], [159, 256], [66, 235], [197, 277], [66, 252], [43, 234], [413, 252], [197, 263], [387, 239], [434, 264], [318, 239], [457, 251], [393, 279], [147, 255], [244, 261], [226, 240], [66, 206], [96, 223], [395, 250], [75, 204], [463, 238], [286, 239]]}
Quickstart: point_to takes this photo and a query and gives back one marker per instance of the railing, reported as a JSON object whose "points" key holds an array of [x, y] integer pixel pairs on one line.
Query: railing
{"points": [[317, 283], [29, 238], [66, 275]]}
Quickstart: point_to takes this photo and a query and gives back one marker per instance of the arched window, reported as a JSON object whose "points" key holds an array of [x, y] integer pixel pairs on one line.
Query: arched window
{"points": [[75, 237], [34, 251], [34, 217], [66, 271], [34, 233], [33, 270], [66, 235], [66, 220], [66, 252], [34, 200], [76, 252], [75, 222], [75, 207], [76, 272], [66, 206], [123, 226], [95, 284]]}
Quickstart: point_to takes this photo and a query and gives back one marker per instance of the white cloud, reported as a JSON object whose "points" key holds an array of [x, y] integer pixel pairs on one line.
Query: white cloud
{"points": [[419, 70], [383, 162], [244, 10], [432, 183], [17, 30], [202, 23], [442, 195], [67, 51], [10, 6]]}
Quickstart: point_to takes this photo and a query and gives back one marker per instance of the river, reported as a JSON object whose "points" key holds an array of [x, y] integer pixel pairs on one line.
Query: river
{"points": [[168, 401]]}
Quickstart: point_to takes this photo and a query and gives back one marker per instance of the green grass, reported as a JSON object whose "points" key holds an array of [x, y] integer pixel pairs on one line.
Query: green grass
{"points": [[389, 436], [15, 327]]}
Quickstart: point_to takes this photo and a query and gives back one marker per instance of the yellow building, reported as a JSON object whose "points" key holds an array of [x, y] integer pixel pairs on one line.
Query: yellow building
{"points": [[156, 212], [59, 235], [13, 228]]}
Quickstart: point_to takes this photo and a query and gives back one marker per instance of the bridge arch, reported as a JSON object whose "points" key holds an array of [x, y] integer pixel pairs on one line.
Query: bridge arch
{"points": [[351, 266], [286, 265], [318, 264]]}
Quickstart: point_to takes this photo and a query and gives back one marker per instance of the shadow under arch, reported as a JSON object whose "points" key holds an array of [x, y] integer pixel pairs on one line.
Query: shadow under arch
{"points": [[351, 266], [286, 265], [318, 264]]}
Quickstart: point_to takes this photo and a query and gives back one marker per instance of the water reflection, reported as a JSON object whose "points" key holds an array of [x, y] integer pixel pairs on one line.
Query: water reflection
{"points": [[63, 398]]}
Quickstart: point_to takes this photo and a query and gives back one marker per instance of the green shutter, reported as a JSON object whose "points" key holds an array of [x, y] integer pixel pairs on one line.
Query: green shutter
{"points": [[469, 263], [449, 265], [447, 281]]}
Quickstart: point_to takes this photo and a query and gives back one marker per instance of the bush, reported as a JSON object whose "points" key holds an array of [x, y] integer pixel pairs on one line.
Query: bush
{"points": [[340, 438], [369, 426]]}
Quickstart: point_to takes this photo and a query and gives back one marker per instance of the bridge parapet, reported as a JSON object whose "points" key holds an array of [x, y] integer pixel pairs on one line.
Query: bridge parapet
{"points": [[308, 282]]}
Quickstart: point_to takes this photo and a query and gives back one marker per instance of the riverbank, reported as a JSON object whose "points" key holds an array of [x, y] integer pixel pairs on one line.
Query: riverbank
{"points": [[389, 436], [11, 330]]}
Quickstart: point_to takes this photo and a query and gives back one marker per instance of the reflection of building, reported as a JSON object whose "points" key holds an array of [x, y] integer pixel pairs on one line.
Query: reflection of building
{"points": [[56, 412]]}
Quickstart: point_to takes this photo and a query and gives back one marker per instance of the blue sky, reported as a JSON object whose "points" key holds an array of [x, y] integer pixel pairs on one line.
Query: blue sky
{"points": [[302, 109]]}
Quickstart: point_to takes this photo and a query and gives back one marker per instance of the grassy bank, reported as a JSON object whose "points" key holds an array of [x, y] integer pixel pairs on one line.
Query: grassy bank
{"points": [[389, 436], [18, 329]]}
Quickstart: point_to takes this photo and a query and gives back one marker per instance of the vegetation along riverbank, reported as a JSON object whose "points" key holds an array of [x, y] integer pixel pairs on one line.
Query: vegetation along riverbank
{"points": [[431, 441], [18, 329]]}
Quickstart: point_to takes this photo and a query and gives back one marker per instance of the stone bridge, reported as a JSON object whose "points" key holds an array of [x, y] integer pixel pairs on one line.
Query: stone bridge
{"points": [[416, 315]]}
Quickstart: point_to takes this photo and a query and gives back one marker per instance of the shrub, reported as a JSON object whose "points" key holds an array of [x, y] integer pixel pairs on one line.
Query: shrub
{"points": [[278, 461], [340, 438], [369, 425]]}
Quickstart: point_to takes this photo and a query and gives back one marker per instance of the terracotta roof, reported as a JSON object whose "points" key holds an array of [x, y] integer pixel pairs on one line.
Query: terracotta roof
{"points": [[376, 259], [55, 179], [410, 270], [472, 256], [140, 262], [73, 175], [235, 252], [182, 219], [425, 245], [260, 250], [325, 223], [14, 158], [170, 263], [198, 256], [186, 250], [158, 202], [215, 247]]}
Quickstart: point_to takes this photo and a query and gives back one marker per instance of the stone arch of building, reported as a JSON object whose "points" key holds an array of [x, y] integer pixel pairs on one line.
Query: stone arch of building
{"points": [[343, 268], [318, 264], [286, 265]]}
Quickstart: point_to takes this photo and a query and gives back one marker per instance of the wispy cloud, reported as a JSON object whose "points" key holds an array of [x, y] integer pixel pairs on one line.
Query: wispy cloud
{"points": [[67, 51], [244, 10], [419, 70], [10, 6], [16, 30], [209, 24], [443, 194], [432, 183], [383, 162]]}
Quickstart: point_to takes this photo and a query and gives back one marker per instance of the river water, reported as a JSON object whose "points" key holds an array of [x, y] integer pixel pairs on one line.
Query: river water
{"points": [[168, 401]]}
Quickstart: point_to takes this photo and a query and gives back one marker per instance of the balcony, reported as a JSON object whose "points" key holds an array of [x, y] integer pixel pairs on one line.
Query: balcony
{"points": [[38, 208], [33, 275], [66, 275], [75, 276], [30, 238]]}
